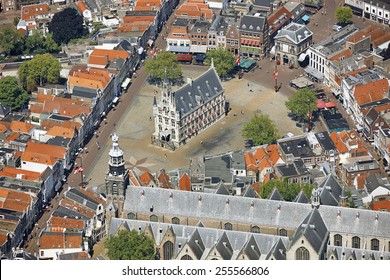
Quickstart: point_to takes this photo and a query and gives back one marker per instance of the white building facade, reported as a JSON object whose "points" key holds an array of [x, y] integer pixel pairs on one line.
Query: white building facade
{"points": [[181, 115]]}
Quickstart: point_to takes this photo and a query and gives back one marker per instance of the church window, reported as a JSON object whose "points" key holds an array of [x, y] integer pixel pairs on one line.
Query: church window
{"points": [[375, 244], [131, 216], [228, 226], [153, 218], [282, 232], [356, 242], [186, 258], [338, 240], [175, 221], [168, 250], [302, 254]]}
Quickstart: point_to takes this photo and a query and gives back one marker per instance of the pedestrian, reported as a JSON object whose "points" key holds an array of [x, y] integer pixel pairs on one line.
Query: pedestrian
{"points": [[150, 118], [165, 155], [248, 84]]}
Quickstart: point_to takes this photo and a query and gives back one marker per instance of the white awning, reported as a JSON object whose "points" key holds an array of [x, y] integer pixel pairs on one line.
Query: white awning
{"points": [[302, 57], [126, 83], [272, 51]]}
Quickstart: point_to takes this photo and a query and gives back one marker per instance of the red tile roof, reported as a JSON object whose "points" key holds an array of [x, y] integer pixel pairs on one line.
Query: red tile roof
{"points": [[61, 132], [164, 179], [15, 200], [12, 172], [260, 154], [383, 205], [250, 162], [23, 127], [185, 183], [29, 12], [346, 53], [65, 223], [371, 92], [339, 144], [43, 153], [146, 178], [51, 240], [81, 6], [275, 18], [360, 181]]}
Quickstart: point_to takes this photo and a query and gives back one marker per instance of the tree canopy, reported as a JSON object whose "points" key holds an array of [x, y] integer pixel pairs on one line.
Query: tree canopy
{"points": [[67, 25], [260, 129], [288, 191], [164, 60], [38, 44], [12, 94], [344, 14], [43, 68], [223, 59], [11, 41], [130, 245], [302, 103]]}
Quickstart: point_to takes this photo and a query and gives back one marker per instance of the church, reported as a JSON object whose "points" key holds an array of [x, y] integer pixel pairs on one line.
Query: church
{"points": [[181, 115]]}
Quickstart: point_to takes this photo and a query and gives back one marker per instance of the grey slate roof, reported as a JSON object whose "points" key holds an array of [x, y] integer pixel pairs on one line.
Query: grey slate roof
{"points": [[301, 198], [343, 253], [275, 195], [65, 212], [249, 192], [330, 191], [263, 3], [207, 237], [218, 168], [376, 180], [313, 228], [224, 247], [297, 168], [116, 63], [325, 141], [251, 249], [242, 209], [59, 141], [205, 87], [84, 92], [82, 199], [196, 244], [253, 24], [298, 147], [222, 190], [4, 109], [295, 32]]}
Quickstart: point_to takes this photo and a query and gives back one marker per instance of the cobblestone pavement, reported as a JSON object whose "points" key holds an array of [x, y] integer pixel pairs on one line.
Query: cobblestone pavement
{"points": [[135, 128]]}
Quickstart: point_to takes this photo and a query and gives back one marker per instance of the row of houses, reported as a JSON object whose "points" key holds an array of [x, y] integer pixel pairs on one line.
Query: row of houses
{"points": [[247, 29], [39, 147]]}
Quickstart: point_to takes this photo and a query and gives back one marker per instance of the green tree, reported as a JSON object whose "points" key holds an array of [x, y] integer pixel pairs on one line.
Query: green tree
{"points": [[43, 68], [12, 94], [130, 245], [307, 189], [288, 191], [267, 188], [223, 59], [344, 14], [261, 129], [16, 20], [66, 25], [302, 103], [11, 41], [164, 61]]}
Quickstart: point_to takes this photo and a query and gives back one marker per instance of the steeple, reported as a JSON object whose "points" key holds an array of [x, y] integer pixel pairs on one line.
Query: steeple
{"points": [[116, 163], [166, 85], [315, 198], [343, 199]]}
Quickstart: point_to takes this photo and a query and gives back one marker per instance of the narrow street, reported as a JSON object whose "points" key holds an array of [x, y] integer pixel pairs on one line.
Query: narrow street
{"points": [[91, 151]]}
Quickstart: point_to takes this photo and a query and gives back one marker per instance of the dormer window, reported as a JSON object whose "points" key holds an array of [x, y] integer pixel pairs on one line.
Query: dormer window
{"points": [[258, 28], [26, 11], [250, 26], [243, 26]]}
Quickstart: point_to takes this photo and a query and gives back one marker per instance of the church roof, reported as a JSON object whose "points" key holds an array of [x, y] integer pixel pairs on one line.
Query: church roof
{"points": [[241, 209], [202, 89]]}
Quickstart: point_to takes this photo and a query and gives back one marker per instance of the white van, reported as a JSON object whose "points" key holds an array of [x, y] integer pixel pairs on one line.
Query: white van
{"points": [[337, 27]]}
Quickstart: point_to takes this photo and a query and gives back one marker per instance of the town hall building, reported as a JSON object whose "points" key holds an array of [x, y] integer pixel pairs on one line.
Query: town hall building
{"points": [[181, 115]]}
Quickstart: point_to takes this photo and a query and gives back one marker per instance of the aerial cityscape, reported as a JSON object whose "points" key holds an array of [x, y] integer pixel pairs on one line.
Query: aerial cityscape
{"points": [[195, 130]]}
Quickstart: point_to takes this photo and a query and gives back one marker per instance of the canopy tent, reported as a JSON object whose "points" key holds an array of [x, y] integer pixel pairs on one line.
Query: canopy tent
{"points": [[318, 76], [306, 18], [246, 64], [302, 57], [321, 104]]}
